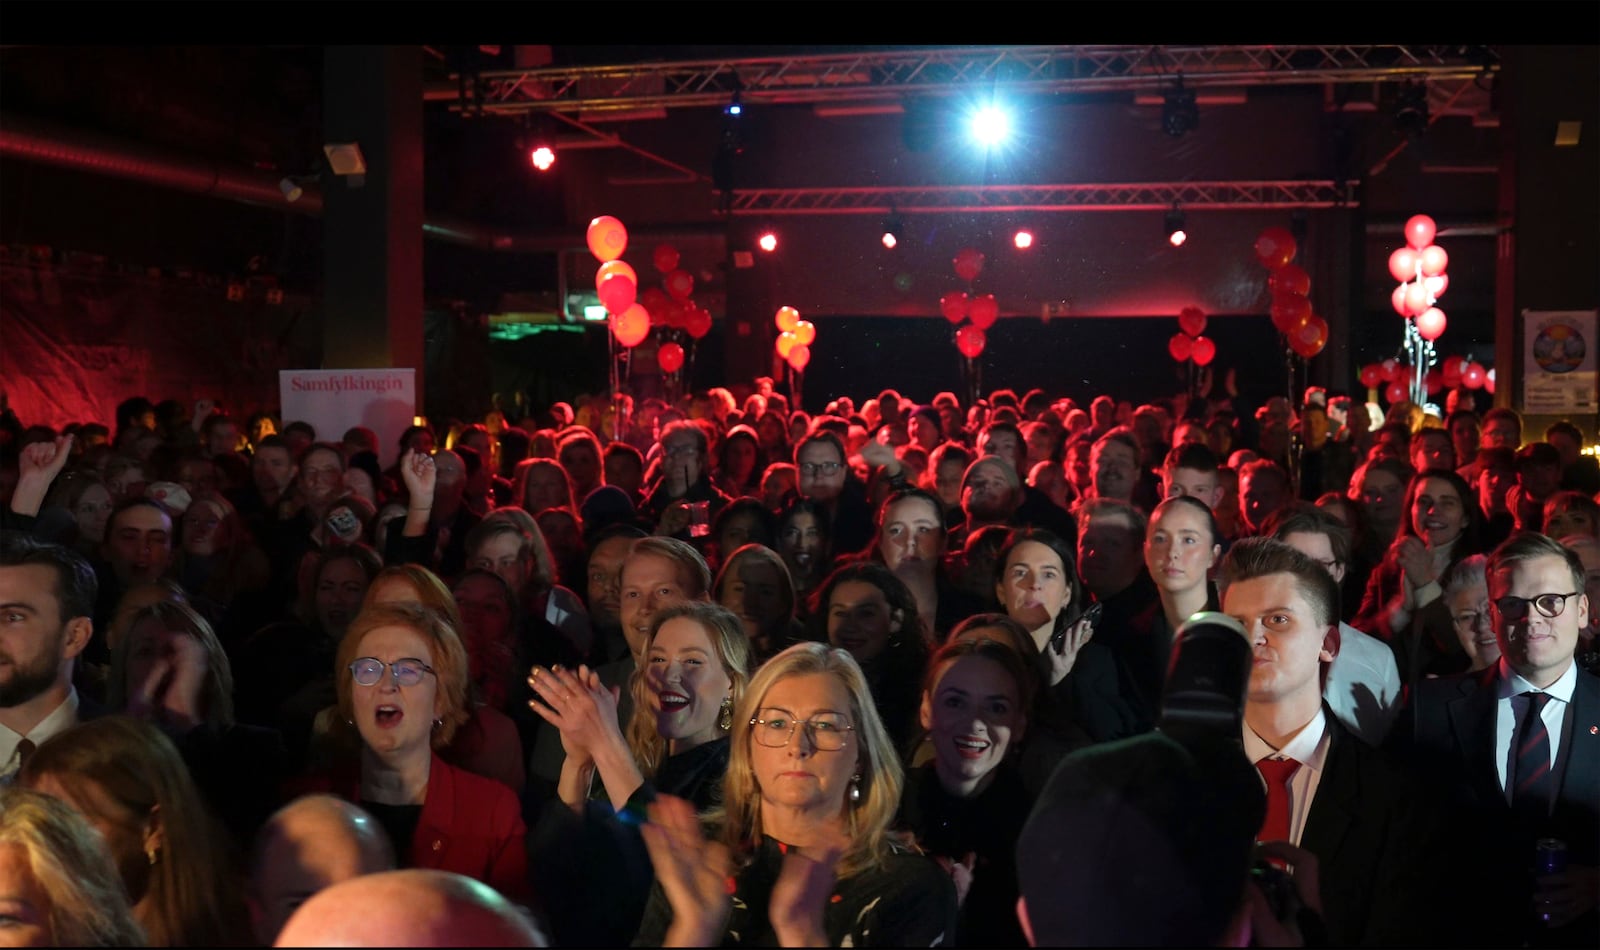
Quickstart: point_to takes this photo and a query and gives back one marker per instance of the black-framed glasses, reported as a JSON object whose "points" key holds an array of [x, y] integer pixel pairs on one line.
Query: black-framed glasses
{"points": [[820, 468], [368, 671], [825, 730], [1514, 609]]}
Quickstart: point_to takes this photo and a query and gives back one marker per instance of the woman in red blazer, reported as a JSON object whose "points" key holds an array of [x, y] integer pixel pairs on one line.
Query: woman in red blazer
{"points": [[403, 686]]}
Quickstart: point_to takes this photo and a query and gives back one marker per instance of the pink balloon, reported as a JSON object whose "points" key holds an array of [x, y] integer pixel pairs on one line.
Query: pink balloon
{"points": [[1416, 298], [1403, 264], [1420, 231], [1430, 323], [1434, 260], [1474, 375], [1398, 300], [607, 238], [1437, 284], [1488, 382], [1392, 370], [1192, 321]]}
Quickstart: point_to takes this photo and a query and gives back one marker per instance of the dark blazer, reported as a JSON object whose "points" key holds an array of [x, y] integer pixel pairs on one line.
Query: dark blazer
{"points": [[1371, 832], [1448, 729]]}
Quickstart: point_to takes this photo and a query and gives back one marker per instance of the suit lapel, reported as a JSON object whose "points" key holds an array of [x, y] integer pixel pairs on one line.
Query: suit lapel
{"points": [[1338, 795], [1577, 766], [1472, 718]]}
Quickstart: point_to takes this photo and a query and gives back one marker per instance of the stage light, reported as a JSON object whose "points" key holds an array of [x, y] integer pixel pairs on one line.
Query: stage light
{"points": [[1179, 113], [542, 156], [735, 106], [1023, 239], [1176, 234], [893, 228], [1411, 110], [990, 126], [768, 241]]}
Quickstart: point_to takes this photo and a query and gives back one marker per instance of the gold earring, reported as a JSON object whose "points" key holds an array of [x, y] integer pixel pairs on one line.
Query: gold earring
{"points": [[725, 720], [152, 854]]}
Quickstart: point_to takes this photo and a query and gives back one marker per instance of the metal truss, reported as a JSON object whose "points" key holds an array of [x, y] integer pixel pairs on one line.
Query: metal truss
{"points": [[893, 74], [1140, 196]]}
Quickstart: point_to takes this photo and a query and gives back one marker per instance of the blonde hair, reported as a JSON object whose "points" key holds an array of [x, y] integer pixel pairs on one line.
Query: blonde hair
{"points": [[727, 636], [867, 820], [68, 859]]}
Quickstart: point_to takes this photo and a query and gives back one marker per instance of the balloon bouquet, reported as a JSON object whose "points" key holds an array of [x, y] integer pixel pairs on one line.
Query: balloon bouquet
{"points": [[1304, 332], [1419, 267], [631, 315], [1188, 346], [793, 345], [982, 311]]}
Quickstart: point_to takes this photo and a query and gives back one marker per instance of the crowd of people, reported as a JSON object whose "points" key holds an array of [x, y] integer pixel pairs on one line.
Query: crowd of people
{"points": [[720, 671]]}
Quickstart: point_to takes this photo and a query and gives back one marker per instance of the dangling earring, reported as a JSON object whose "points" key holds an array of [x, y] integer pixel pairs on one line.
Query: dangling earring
{"points": [[438, 722], [725, 720], [855, 788], [152, 854]]}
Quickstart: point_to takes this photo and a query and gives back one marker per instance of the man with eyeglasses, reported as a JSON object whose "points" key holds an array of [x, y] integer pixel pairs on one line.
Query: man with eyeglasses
{"points": [[682, 479], [822, 464], [1516, 749]]}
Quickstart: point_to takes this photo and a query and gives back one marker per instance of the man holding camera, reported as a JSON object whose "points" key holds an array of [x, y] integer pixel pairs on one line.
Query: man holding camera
{"points": [[1515, 749], [1328, 792]]}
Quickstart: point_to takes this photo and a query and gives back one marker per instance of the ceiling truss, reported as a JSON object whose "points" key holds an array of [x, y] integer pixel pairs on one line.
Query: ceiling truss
{"points": [[895, 74], [1141, 196]]}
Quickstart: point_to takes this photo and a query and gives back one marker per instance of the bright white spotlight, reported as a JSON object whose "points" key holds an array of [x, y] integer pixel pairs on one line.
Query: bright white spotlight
{"points": [[990, 126], [1023, 239], [542, 157], [768, 241]]}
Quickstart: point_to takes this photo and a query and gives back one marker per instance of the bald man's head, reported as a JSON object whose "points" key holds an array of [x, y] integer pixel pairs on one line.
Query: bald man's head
{"points": [[310, 844], [410, 908]]}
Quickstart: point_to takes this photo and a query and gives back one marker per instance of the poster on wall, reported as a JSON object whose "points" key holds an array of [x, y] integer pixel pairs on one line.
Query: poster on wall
{"points": [[337, 400], [1559, 362]]}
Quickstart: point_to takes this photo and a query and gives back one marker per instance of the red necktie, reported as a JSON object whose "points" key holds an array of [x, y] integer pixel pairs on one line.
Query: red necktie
{"points": [[1277, 773], [1530, 782]]}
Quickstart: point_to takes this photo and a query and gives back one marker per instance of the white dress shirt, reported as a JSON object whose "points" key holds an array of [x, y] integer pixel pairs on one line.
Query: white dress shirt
{"points": [[62, 718], [1510, 706], [1363, 687], [1309, 747]]}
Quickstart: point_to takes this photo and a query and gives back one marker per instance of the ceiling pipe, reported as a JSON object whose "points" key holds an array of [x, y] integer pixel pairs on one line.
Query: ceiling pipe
{"points": [[92, 153]]}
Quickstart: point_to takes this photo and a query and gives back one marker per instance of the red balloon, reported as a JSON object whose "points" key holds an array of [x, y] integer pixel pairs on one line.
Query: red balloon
{"points": [[984, 311], [1420, 231], [697, 321], [1192, 321], [1430, 323], [1437, 284], [1204, 350], [786, 341], [1450, 371], [617, 292], [665, 258], [1290, 279], [787, 318], [1181, 346], [970, 341], [968, 263], [670, 357], [1371, 375], [1309, 340], [1488, 382], [655, 300], [806, 332], [1275, 247], [1392, 370], [679, 284], [1434, 260], [631, 326], [1474, 375], [799, 356], [607, 238], [1416, 298], [1433, 381], [1398, 300], [954, 306], [1397, 392], [1290, 312], [1403, 264]]}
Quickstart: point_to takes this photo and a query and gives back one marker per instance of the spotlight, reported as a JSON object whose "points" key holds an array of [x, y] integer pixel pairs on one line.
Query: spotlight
{"points": [[1179, 113], [538, 143], [893, 227], [1411, 110], [542, 156], [291, 189], [1023, 239], [1176, 235], [768, 241], [990, 127], [735, 106]]}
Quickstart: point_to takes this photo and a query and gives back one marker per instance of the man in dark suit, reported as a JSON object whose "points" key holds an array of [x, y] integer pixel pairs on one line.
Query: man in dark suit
{"points": [[1516, 751], [1327, 791], [47, 593]]}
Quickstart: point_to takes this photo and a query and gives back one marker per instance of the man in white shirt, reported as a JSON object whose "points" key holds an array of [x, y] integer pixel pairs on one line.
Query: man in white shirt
{"points": [[47, 596], [1363, 687], [1534, 715], [1327, 791]]}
